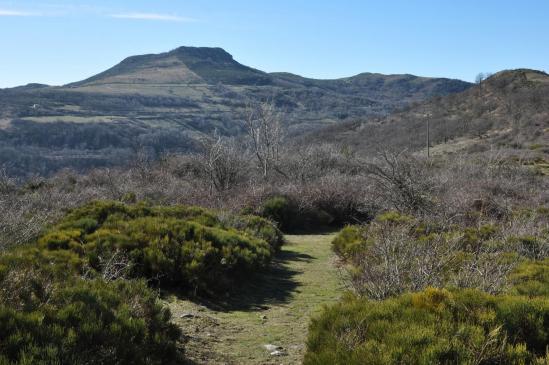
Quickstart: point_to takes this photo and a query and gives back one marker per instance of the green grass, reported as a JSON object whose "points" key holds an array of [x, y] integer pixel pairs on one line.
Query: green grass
{"points": [[300, 282]]}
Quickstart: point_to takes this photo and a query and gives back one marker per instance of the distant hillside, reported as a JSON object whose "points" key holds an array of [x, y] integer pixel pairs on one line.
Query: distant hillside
{"points": [[508, 110], [163, 102]]}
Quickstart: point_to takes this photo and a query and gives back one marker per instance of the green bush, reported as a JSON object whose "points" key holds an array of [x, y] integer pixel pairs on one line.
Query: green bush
{"points": [[50, 315], [70, 299], [280, 210], [531, 278], [290, 218], [435, 326], [349, 241], [188, 247]]}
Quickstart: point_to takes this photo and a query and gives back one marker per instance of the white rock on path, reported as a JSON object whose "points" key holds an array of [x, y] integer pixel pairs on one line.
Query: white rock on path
{"points": [[272, 348]]}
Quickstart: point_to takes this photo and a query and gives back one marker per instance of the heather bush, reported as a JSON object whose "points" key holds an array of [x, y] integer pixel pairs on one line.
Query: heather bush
{"points": [[434, 326]]}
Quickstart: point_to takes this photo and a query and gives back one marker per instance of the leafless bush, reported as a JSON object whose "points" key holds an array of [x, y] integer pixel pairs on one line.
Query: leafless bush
{"points": [[403, 181], [115, 266], [395, 262], [7, 183], [485, 270], [224, 162]]}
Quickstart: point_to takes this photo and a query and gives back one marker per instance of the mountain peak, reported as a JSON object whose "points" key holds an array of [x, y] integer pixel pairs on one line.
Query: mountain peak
{"points": [[203, 53], [183, 65]]}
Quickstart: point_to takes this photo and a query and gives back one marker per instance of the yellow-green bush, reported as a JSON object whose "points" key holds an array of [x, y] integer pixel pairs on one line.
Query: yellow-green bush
{"points": [[531, 278], [187, 247], [78, 295], [349, 241], [49, 314], [435, 326]]}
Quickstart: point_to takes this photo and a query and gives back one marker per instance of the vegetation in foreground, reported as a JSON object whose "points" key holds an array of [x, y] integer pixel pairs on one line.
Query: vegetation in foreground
{"points": [[425, 292], [79, 294], [433, 326]]}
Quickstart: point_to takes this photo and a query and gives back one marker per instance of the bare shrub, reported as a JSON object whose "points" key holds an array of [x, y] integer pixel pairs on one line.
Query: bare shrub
{"points": [[224, 162], [395, 262], [403, 181]]}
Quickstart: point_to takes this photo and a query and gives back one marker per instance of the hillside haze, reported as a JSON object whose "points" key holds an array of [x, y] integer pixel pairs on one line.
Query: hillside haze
{"points": [[165, 102]]}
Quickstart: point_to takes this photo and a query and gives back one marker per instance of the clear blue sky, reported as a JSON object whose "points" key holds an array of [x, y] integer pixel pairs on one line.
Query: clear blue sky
{"points": [[59, 41]]}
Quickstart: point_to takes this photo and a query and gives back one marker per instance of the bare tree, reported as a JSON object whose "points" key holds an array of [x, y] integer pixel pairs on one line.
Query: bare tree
{"points": [[223, 161], [479, 80], [265, 131]]}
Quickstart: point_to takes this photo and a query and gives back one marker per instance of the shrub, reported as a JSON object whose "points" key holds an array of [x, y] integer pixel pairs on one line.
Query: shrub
{"points": [[435, 326], [291, 218], [50, 315], [349, 241], [531, 278], [188, 247], [396, 253], [279, 210]]}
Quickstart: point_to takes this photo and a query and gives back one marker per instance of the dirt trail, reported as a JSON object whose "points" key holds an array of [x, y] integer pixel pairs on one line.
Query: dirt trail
{"points": [[274, 309]]}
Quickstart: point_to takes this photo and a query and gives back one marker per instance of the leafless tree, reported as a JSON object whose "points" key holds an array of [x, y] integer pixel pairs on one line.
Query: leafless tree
{"points": [[265, 131], [224, 162], [479, 79]]}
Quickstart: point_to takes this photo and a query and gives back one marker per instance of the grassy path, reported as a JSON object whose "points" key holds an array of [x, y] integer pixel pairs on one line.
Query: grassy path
{"points": [[275, 309]]}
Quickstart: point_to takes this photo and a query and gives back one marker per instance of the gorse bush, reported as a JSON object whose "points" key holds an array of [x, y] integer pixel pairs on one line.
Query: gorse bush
{"points": [[285, 211], [79, 296], [434, 326], [50, 315], [187, 247], [531, 278], [349, 241], [90, 322]]}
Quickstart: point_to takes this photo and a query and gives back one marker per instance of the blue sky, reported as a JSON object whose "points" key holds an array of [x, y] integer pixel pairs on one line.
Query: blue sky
{"points": [[59, 41]]}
